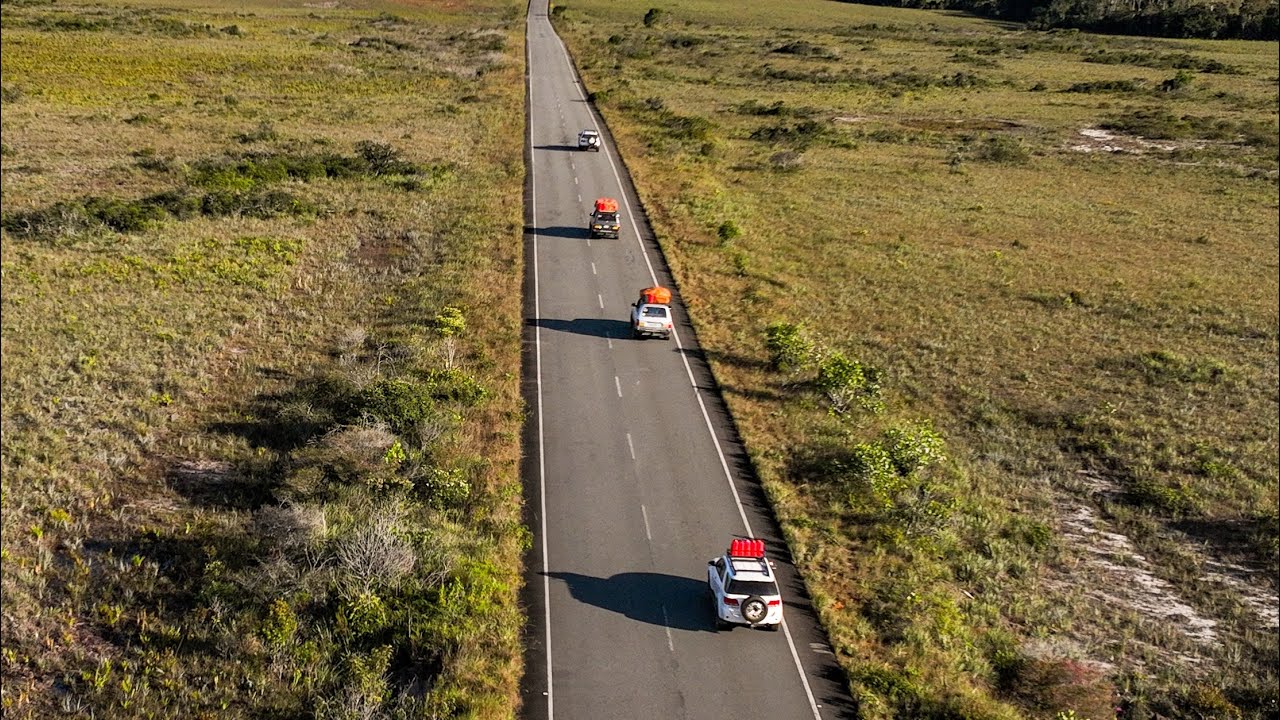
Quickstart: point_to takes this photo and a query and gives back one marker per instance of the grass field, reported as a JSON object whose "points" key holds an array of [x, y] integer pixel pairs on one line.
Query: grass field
{"points": [[261, 335], [996, 312]]}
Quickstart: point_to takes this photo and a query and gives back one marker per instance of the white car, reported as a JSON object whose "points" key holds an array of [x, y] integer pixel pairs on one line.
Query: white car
{"points": [[589, 140], [650, 319], [744, 589]]}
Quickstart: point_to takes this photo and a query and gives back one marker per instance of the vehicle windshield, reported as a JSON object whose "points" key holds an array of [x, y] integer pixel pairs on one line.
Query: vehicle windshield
{"points": [[607, 217], [651, 311], [751, 587]]}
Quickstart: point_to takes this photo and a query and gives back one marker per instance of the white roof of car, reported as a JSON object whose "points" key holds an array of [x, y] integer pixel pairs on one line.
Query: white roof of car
{"points": [[590, 132], [751, 569]]}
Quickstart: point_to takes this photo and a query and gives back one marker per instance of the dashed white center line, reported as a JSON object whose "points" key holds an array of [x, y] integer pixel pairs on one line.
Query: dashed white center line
{"points": [[575, 180], [618, 384], [645, 513], [593, 269], [600, 298], [631, 446], [666, 622], [579, 197]]}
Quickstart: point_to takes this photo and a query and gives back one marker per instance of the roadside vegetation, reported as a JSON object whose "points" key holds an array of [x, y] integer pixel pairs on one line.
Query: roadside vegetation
{"points": [[260, 318], [996, 313]]}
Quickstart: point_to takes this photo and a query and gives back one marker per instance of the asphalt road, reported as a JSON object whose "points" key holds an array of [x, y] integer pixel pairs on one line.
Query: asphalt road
{"points": [[634, 474]]}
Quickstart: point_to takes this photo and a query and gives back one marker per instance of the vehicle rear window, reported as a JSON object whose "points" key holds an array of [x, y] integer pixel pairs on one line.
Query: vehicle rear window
{"points": [[655, 312], [607, 217], [751, 587]]}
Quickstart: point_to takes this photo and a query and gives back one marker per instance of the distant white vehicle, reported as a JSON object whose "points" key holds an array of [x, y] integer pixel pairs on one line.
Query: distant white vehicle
{"points": [[589, 140], [744, 588]]}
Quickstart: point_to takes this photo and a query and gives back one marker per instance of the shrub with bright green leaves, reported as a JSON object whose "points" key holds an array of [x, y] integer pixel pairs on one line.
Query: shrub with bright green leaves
{"points": [[450, 322], [399, 403], [455, 385], [363, 614], [444, 488], [728, 232], [280, 625], [870, 467], [913, 446], [789, 347], [848, 383]]}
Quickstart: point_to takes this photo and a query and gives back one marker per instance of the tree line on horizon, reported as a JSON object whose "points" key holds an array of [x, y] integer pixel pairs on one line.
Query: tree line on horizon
{"points": [[1247, 20]]}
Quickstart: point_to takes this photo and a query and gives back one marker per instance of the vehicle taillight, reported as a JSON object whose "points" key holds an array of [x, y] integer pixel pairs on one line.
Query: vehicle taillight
{"points": [[731, 601], [774, 603], [668, 326]]}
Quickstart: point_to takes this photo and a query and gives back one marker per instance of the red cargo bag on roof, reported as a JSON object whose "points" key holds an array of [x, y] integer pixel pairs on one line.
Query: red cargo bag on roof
{"points": [[655, 296], [606, 205], [746, 548]]}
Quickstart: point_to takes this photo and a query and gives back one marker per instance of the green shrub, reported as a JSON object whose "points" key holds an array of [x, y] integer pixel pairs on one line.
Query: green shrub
{"points": [[363, 614], [450, 322], [1001, 149], [1181, 80], [653, 16], [728, 232], [1119, 86], [444, 488], [848, 383], [789, 347], [457, 386], [400, 403], [913, 446], [280, 625]]}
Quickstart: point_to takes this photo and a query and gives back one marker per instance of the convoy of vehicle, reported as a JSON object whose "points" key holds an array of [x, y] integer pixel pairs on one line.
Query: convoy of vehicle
{"points": [[742, 584]]}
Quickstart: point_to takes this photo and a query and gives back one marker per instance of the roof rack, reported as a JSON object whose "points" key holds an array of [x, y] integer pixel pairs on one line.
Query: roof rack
{"points": [[752, 548]]}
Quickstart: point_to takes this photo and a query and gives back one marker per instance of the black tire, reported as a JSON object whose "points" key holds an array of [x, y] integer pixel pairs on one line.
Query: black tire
{"points": [[773, 628], [754, 609]]}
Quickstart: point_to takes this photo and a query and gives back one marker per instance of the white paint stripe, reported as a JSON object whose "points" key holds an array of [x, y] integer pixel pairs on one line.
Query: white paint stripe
{"points": [[724, 464], [631, 446], [618, 384], [666, 623], [537, 352], [644, 513], [593, 269], [575, 179], [600, 298]]}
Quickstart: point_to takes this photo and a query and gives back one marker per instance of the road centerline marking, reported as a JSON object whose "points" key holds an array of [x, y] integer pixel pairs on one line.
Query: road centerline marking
{"points": [[645, 513], [631, 446], [600, 298], [666, 625], [593, 269], [618, 384]]}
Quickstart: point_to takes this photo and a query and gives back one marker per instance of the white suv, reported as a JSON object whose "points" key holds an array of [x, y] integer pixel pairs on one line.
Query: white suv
{"points": [[743, 587]]}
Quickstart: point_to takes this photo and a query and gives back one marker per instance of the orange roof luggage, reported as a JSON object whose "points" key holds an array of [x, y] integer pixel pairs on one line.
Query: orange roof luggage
{"points": [[606, 205], [655, 296]]}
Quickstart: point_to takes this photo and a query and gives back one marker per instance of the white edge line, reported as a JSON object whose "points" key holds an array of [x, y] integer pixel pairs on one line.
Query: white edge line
{"points": [[644, 252], [537, 352]]}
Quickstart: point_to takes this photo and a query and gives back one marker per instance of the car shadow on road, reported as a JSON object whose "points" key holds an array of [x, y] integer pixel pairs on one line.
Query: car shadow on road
{"points": [[595, 327], [679, 603], [561, 231], [562, 148]]}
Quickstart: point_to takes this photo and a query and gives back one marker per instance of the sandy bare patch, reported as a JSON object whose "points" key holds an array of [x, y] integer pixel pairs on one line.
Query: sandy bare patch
{"points": [[1132, 584]]}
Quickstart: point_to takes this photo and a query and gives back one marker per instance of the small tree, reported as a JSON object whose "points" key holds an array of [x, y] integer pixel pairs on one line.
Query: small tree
{"points": [[450, 322], [789, 347], [848, 383]]}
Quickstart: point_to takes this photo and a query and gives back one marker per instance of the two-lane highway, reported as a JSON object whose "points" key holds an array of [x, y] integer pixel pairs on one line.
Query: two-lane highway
{"points": [[630, 470]]}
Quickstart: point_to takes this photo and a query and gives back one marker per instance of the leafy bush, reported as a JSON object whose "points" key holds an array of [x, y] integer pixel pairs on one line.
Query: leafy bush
{"points": [[913, 446], [848, 383], [728, 232], [400, 403], [1095, 86], [1001, 149], [444, 488], [450, 322], [800, 135], [653, 16], [789, 347], [280, 625], [451, 384]]}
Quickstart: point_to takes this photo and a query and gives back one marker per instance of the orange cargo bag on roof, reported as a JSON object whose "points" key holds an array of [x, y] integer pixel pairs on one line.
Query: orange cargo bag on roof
{"points": [[656, 296], [606, 205]]}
